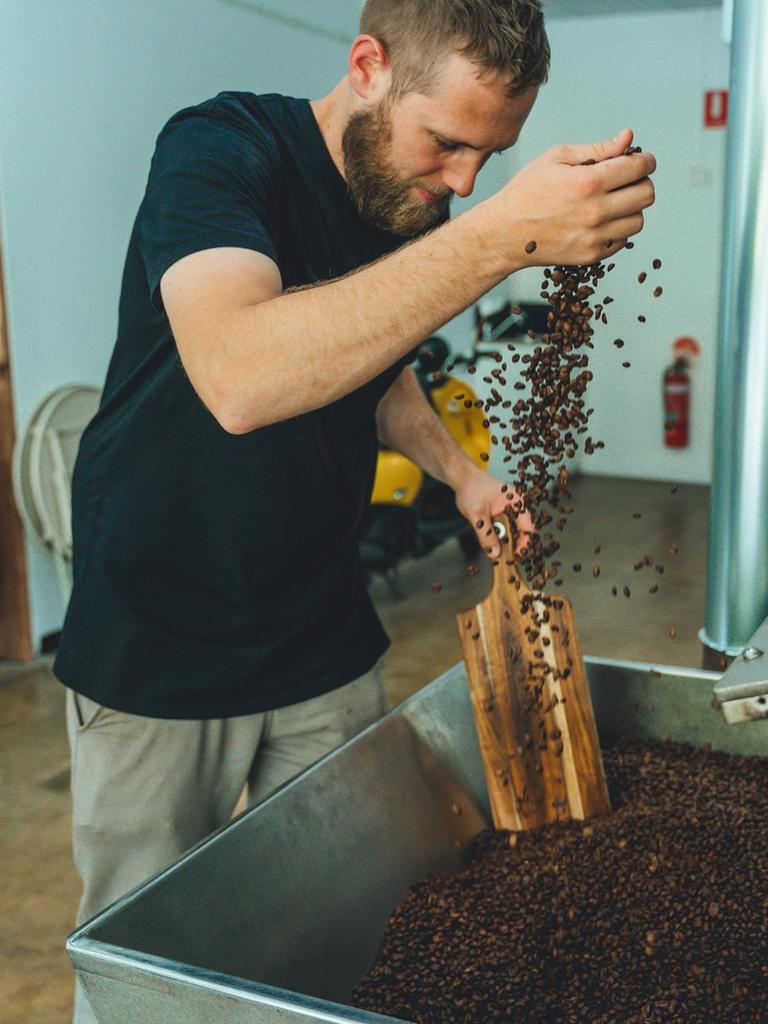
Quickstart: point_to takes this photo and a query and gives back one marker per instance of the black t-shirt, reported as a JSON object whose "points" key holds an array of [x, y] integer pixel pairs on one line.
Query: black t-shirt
{"points": [[214, 574]]}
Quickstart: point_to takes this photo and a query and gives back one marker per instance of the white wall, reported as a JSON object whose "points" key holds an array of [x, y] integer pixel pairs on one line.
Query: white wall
{"points": [[648, 72], [85, 88]]}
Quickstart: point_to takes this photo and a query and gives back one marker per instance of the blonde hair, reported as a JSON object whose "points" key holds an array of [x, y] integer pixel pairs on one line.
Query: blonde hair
{"points": [[506, 36]]}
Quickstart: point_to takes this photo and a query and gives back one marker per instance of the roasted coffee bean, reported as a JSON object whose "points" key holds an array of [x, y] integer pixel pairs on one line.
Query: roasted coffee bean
{"points": [[654, 589], [437, 587], [672, 632], [577, 567], [544, 425], [531, 248], [656, 264], [641, 318], [627, 592], [652, 913], [595, 570], [641, 277], [657, 292], [626, 365], [619, 343]]}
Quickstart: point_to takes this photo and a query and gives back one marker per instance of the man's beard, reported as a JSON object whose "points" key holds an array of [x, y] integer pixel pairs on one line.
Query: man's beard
{"points": [[380, 194]]}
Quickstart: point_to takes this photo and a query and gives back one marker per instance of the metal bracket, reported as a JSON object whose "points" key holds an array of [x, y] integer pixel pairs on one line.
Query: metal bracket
{"points": [[742, 692]]}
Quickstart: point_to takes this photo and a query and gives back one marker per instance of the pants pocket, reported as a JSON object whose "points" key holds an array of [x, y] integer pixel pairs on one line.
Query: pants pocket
{"points": [[87, 711]]}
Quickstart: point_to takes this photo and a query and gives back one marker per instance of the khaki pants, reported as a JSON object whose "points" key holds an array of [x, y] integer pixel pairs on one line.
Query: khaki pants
{"points": [[145, 790]]}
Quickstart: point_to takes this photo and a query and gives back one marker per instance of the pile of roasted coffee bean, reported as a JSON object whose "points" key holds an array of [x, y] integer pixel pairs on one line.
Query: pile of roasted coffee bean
{"points": [[655, 913]]}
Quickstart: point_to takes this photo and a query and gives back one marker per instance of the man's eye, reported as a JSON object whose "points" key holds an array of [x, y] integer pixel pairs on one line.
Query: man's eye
{"points": [[443, 144]]}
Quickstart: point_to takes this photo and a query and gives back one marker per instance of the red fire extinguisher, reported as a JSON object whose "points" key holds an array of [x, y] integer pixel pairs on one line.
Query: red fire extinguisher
{"points": [[677, 404], [677, 393]]}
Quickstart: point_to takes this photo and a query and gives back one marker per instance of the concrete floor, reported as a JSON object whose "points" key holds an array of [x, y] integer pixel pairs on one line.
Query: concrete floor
{"points": [[40, 884]]}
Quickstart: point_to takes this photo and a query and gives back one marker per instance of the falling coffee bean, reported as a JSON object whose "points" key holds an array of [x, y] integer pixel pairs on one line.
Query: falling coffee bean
{"points": [[531, 247]]}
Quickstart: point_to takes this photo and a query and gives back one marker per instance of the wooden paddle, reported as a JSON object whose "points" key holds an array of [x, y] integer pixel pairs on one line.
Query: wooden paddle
{"points": [[531, 702]]}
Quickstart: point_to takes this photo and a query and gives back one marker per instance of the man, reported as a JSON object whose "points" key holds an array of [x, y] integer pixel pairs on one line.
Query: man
{"points": [[286, 258]]}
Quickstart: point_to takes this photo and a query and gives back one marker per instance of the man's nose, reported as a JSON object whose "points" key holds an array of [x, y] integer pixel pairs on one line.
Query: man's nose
{"points": [[460, 178]]}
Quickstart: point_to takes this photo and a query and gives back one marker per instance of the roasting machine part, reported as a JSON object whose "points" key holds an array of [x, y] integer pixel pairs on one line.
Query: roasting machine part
{"points": [[742, 692]]}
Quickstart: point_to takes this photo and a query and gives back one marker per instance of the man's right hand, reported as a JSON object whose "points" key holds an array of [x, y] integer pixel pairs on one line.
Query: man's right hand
{"points": [[573, 211]]}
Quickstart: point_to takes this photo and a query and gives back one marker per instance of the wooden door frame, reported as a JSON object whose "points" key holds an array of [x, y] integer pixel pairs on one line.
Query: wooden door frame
{"points": [[15, 624]]}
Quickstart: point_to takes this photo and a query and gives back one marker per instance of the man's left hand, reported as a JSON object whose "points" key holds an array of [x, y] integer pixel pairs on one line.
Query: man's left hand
{"points": [[479, 497]]}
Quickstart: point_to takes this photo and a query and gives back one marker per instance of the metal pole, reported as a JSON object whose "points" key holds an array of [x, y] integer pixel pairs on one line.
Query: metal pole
{"points": [[737, 583]]}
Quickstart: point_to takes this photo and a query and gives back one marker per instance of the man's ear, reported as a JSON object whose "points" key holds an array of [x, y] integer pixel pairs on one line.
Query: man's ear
{"points": [[368, 68]]}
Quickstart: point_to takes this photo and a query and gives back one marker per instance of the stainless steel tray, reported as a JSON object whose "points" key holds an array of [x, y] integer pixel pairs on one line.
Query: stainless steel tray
{"points": [[276, 918]]}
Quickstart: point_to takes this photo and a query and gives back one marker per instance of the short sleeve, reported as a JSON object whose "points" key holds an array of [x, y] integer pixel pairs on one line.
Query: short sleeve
{"points": [[211, 184]]}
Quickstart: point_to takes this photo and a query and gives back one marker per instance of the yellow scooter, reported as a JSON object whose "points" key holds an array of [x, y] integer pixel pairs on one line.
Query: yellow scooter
{"points": [[411, 513]]}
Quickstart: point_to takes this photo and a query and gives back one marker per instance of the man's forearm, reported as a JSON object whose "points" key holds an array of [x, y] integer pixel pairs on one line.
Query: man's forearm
{"points": [[408, 423], [304, 349]]}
